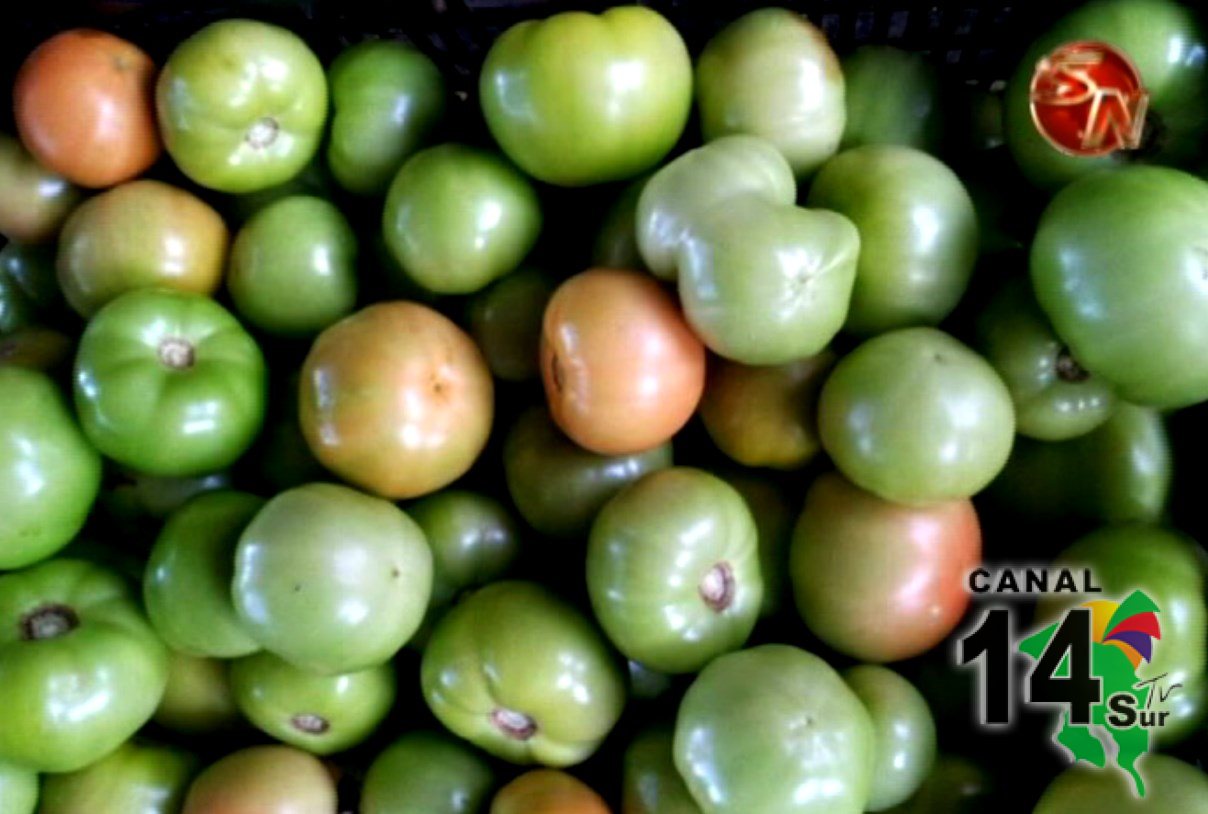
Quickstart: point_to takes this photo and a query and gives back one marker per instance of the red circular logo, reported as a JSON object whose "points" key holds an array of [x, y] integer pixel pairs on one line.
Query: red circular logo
{"points": [[1087, 99]]}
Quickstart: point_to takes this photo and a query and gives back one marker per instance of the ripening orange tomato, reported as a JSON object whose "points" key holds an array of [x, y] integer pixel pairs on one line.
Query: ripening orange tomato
{"points": [[84, 103], [623, 371], [546, 791]]}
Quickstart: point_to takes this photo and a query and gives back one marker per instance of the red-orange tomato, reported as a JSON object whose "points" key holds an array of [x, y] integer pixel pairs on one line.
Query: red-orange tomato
{"points": [[84, 107], [877, 580], [396, 400], [546, 791], [623, 372]]}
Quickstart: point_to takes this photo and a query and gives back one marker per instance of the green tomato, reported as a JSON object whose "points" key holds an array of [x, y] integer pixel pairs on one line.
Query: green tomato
{"points": [[651, 784], [36, 348], [458, 218], [616, 245], [49, 474], [313, 181], [774, 518], [559, 487], [766, 284], [28, 289], [330, 579], [681, 193], [646, 684], [918, 234], [523, 675], [774, 729], [505, 321], [18, 789], [893, 97], [169, 383], [136, 779], [1134, 309], [321, 714], [673, 570], [135, 497], [914, 416], [241, 105], [34, 201], [473, 538], [387, 98], [1165, 42], [293, 268], [1172, 786], [771, 73], [81, 668], [766, 415], [429, 773], [1170, 568], [198, 699], [1118, 473], [1188, 708], [954, 786], [903, 731], [187, 588], [1055, 398], [581, 99]]}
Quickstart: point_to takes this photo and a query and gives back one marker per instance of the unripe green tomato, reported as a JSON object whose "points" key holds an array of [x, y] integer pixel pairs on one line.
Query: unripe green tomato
{"points": [[429, 773], [505, 321], [33, 200], [198, 699], [651, 783], [28, 288], [580, 99], [1172, 785], [771, 73], [136, 779], [18, 789], [893, 97], [293, 268]]}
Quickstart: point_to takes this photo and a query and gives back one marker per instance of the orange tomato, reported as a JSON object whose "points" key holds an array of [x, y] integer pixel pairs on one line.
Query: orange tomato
{"points": [[546, 791], [84, 107], [623, 371], [396, 400], [263, 780]]}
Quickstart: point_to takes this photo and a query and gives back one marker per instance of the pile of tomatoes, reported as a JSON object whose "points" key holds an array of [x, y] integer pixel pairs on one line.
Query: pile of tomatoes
{"points": [[626, 451]]}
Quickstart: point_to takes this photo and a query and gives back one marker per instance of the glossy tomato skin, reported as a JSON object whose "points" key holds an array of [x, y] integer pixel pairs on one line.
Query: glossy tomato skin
{"points": [[523, 675], [771, 73], [559, 487], [505, 321], [142, 234], [623, 372], [33, 200], [904, 733], [877, 580], [915, 416], [84, 107], [263, 780], [49, 473], [651, 783], [1118, 473], [673, 570], [748, 705], [187, 587], [28, 290], [581, 99], [1170, 568], [546, 791], [918, 234], [198, 698], [679, 194], [425, 771], [81, 667], [396, 399], [473, 539], [18, 789], [136, 779], [321, 714], [1162, 38], [893, 97], [1055, 398], [766, 284], [330, 579], [457, 218], [387, 98], [766, 415], [1132, 307], [293, 268], [169, 383], [242, 105], [1172, 785]]}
